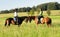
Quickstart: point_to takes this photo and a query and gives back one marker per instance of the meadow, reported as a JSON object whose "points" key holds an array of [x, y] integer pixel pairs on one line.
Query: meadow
{"points": [[31, 29]]}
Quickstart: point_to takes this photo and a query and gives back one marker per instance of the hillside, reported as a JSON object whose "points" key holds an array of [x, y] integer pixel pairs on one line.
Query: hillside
{"points": [[43, 7]]}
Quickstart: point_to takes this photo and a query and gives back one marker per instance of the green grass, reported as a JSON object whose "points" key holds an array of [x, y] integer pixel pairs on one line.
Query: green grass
{"points": [[30, 29]]}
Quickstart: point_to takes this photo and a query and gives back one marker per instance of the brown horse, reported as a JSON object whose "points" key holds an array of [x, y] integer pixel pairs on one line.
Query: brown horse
{"points": [[9, 21], [30, 18], [46, 20]]}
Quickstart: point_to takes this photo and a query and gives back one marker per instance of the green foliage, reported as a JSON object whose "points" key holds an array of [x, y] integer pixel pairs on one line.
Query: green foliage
{"points": [[48, 12], [31, 12], [38, 10], [52, 5], [5, 11], [44, 6], [11, 11]]}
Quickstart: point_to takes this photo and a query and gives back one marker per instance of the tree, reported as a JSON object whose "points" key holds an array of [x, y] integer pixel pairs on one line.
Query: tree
{"points": [[5, 11], [48, 9], [12, 10], [38, 10], [31, 12], [48, 12]]}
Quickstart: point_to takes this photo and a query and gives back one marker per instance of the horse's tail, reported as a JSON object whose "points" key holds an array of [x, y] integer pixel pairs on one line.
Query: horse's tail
{"points": [[5, 22]]}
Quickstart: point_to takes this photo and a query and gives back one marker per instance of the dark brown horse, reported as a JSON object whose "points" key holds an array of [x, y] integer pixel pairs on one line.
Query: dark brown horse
{"points": [[30, 18], [9, 21]]}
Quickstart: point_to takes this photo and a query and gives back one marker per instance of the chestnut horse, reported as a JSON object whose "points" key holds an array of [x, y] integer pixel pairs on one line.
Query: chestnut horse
{"points": [[9, 21], [46, 20]]}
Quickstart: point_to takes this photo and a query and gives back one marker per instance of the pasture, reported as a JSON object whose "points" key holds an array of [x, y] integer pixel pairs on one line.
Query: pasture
{"points": [[31, 29]]}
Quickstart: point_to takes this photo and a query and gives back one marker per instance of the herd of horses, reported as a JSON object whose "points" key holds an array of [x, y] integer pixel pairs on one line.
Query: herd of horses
{"points": [[37, 19]]}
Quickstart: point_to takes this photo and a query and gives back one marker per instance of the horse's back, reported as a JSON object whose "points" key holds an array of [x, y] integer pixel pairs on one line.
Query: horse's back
{"points": [[21, 19], [9, 19]]}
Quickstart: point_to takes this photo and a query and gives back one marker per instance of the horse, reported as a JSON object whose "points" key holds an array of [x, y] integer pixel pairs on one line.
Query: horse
{"points": [[46, 20], [35, 18], [30, 18], [10, 20]]}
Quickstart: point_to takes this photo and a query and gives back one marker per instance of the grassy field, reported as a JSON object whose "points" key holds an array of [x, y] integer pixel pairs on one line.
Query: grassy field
{"points": [[30, 29]]}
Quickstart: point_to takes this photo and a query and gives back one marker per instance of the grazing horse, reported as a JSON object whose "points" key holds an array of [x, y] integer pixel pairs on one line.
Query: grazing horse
{"points": [[30, 18], [46, 20], [9, 21]]}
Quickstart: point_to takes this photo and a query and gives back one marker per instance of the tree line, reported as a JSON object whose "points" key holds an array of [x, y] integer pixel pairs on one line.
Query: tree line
{"points": [[43, 7]]}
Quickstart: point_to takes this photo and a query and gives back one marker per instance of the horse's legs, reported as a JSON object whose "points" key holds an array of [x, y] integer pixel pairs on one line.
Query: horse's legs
{"points": [[30, 20], [8, 24], [19, 23], [48, 25], [5, 23], [36, 20], [26, 20]]}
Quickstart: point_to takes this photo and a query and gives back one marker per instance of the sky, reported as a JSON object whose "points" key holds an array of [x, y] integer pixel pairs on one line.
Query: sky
{"points": [[11, 4]]}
